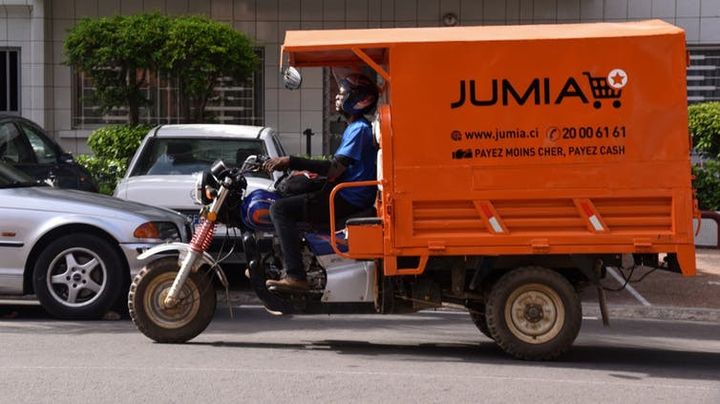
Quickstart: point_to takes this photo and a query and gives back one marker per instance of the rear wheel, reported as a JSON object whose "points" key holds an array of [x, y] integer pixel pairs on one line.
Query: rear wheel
{"points": [[534, 313], [477, 314], [180, 323]]}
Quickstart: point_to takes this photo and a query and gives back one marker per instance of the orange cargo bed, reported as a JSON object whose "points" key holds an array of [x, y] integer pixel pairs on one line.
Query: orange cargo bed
{"points": [[556, 139]]}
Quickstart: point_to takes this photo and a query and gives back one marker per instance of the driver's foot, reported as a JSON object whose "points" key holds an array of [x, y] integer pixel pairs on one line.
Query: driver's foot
{"points": [[291, 284]]}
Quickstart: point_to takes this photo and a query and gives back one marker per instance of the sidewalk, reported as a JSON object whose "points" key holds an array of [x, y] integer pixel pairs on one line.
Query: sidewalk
{"points": [[670, 295]]}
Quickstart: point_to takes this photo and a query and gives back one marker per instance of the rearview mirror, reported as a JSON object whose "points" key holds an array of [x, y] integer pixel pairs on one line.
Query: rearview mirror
{"points": [[291, 78]]}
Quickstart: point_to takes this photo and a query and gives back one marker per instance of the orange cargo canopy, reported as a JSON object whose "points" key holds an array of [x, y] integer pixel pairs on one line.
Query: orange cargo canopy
{"points": [[340, 47]]}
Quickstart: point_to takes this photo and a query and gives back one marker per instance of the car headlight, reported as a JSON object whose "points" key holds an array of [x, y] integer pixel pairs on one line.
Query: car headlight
{"points": [[197, 191], [165, 231]]}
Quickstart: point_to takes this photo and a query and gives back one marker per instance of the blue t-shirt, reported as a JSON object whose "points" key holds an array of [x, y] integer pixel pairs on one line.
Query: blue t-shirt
{"points": [[357, 145]]}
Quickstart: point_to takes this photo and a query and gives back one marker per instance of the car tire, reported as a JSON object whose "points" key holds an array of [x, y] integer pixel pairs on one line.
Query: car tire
{"points": [[79, 276]]}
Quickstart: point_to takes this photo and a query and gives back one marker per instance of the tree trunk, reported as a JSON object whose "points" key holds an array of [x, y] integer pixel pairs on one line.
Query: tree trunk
{"points": [[199, 110], [185, 108], [133, 105], [185, 103], [202, 101], [134, 114]]}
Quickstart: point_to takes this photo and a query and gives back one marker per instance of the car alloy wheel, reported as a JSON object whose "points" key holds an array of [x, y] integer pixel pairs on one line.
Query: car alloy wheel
{"points": [[80, 275], [77, 277]]}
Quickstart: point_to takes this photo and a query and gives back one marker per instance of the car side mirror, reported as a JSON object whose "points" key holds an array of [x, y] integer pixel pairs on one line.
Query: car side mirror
{"points": [[66, 158]]}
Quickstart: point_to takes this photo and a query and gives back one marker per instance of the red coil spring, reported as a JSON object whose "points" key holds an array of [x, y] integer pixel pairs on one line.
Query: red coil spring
{"points": [[203, 236]]}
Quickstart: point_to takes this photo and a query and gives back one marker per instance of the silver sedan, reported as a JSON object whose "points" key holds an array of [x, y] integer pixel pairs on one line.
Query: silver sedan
{"points": [[74, 250]]}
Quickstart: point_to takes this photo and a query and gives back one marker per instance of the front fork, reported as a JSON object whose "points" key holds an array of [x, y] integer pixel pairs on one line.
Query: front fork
{"points": [[200, 243]]}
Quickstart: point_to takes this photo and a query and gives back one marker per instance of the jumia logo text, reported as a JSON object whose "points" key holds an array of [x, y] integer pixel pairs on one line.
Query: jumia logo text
{"points": [[503, 91]]}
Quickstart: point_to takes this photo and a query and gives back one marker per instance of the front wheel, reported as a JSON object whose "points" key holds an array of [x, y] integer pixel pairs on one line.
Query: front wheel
{"points": [[534, 313], [180, 323], [79, 276]]}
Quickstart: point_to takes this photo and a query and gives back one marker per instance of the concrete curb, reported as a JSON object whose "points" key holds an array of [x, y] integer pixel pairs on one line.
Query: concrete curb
{"points": [[655, 313], [246, 297]]}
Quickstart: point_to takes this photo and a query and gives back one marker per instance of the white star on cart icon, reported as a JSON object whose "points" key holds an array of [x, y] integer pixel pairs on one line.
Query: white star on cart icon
{"points": [[617, 78]]}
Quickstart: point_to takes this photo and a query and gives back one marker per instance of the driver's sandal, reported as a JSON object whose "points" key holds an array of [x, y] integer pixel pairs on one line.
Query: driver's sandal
{"points": [[288, 285]]}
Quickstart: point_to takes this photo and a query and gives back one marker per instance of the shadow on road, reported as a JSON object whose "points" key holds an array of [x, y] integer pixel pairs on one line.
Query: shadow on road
{"points": [[617, 361], [617, 351]]}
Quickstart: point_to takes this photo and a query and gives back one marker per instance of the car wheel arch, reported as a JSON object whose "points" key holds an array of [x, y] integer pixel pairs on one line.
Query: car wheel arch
{"points": [[67, 229]]}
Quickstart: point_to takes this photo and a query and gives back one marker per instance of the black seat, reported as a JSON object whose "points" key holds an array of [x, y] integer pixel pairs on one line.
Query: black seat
{"points": [[363, 221], [366, 216]]}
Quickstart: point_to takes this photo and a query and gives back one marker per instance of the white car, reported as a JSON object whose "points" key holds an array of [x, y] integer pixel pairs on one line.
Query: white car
{"points": [[162, 171]]}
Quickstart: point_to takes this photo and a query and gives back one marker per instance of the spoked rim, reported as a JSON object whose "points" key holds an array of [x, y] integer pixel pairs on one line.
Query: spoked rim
{"points": [[77, 277], [535, 313], [176, 317]]}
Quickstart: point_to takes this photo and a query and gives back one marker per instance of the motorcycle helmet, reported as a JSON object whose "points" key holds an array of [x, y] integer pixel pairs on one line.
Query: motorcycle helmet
{"points": [[361, 94], [256, 210]]}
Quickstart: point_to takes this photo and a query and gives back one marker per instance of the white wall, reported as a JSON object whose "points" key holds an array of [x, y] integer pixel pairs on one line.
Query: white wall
{"points": [[22, 26], [46, 95]]}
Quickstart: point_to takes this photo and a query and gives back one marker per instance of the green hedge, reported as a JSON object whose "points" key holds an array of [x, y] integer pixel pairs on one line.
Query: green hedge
{"points": [[106, 172], [704, 125], [704, 121], [707, 184], [112, 147]]}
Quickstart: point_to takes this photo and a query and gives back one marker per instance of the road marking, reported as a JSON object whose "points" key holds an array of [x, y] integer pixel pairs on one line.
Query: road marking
{"points": [[629, 288]]}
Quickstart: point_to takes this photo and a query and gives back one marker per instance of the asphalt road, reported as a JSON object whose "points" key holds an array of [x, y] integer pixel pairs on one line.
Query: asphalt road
{"points": [[425, 357]]}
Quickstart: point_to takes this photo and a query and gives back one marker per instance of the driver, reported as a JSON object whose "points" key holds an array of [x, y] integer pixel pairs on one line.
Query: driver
{"points": [[353, 161]]}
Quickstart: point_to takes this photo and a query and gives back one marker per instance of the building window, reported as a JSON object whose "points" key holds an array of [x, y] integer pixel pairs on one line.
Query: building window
{"points": [[703, 76], [9, 80], [233, 102]]}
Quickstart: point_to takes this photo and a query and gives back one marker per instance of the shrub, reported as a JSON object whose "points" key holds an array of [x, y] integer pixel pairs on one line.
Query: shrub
{"points": [[704, 121], [121, 53], [116, 52], [707, 184], [113, 146], [704, 125], [106, 172], [117, 141]]}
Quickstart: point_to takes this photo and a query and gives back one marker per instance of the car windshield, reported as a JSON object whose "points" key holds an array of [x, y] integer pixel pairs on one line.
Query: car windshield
{"points": [[182, 156], [11, 177]]}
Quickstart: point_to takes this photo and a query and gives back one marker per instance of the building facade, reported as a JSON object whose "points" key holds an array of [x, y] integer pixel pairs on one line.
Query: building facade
{"points": [[35, 82]]}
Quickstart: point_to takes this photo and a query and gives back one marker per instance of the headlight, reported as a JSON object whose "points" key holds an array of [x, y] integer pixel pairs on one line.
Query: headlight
{"points": [[165, 231], [204, 183], [198, 189]]}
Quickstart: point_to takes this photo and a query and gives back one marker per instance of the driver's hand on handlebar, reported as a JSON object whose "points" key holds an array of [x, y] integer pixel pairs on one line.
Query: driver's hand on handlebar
{"points": [[276, 164]]}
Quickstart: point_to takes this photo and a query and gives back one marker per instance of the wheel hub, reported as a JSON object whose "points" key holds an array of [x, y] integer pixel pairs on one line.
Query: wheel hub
{"points": [[534, 313], [76, 277], [174, 316]]}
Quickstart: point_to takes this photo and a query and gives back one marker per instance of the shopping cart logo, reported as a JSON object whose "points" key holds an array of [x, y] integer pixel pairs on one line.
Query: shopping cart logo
{"points": [[607, 88]]}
